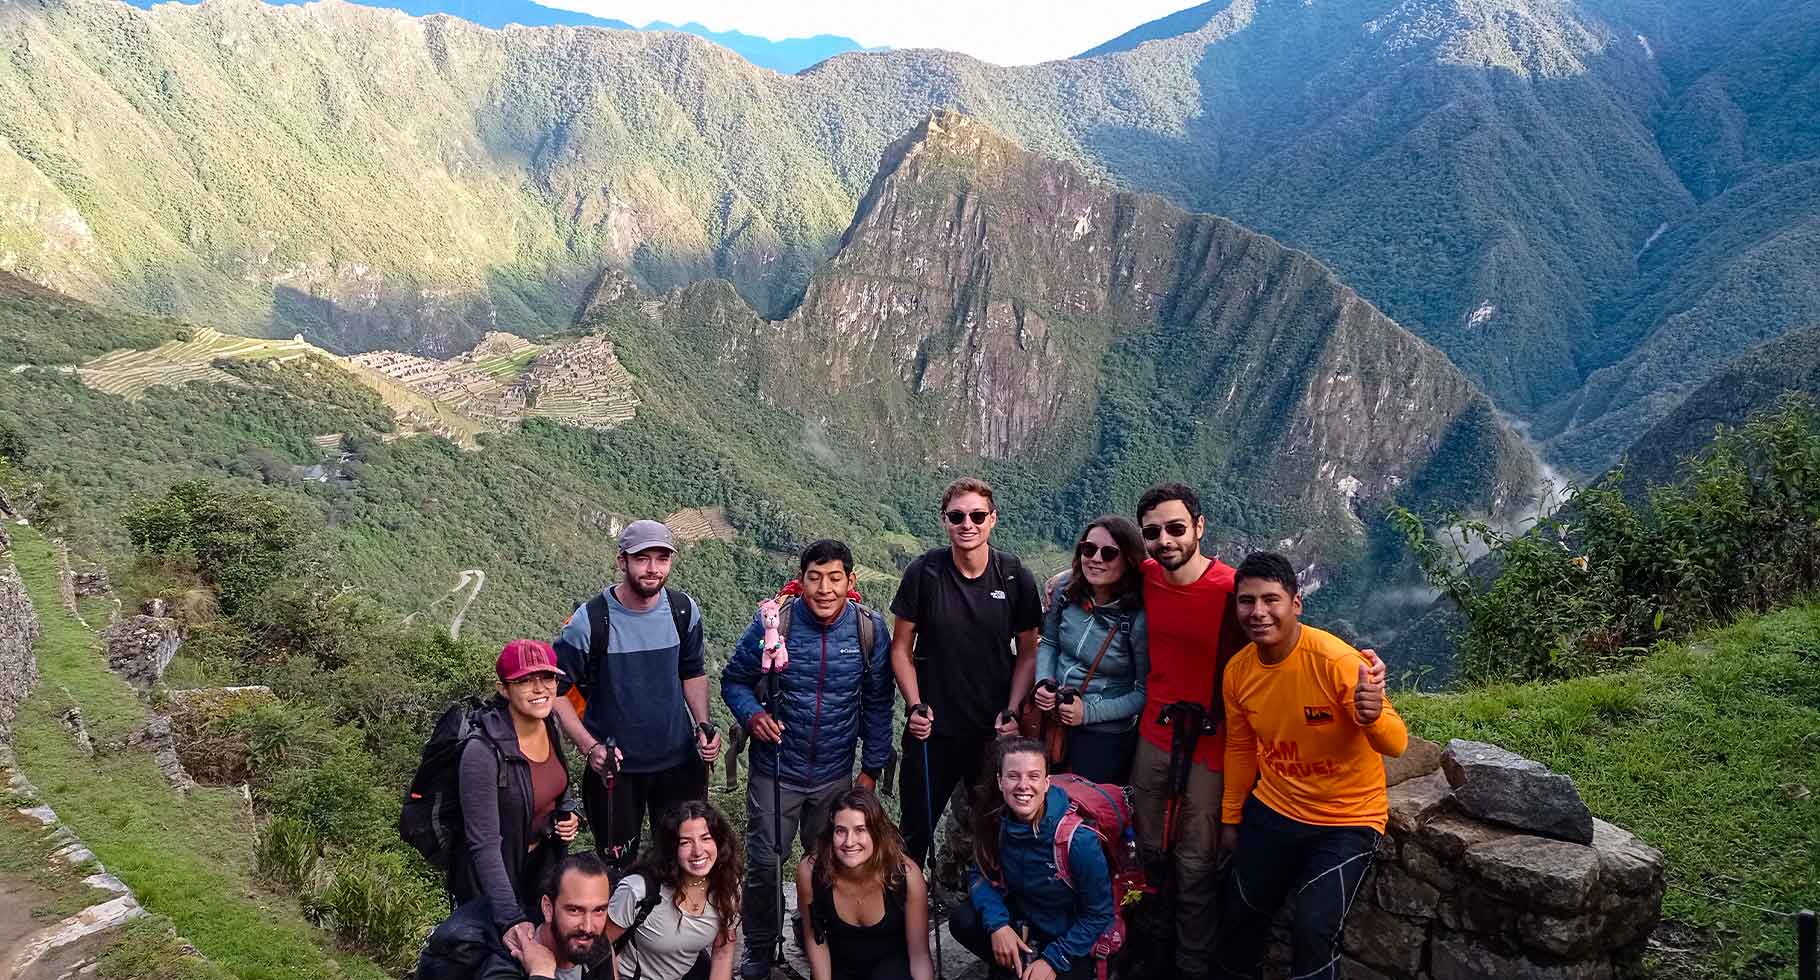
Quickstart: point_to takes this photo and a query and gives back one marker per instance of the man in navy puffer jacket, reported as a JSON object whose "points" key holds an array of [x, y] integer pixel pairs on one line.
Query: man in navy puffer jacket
{"points": [[837, 691]]}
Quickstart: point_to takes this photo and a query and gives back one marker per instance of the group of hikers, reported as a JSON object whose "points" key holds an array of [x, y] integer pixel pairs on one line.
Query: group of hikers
{"points": [[1151, 732]]}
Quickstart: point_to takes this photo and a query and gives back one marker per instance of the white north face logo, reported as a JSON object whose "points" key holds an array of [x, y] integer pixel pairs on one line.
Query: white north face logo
{"points": [[998, 593]]}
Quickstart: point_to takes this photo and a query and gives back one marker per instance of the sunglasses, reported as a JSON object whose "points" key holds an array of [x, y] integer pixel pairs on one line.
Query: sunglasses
{"points": [[1108, 552], [956, 517], [1175, 528]]}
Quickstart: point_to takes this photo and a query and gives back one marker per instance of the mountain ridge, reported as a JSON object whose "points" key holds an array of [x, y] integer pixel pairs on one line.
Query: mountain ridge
{"points": [[478, 181]]}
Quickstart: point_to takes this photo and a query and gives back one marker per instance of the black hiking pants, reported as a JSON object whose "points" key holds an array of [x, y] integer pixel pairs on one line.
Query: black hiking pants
{"points": [[1318, 868], [614, 813], [952, 760]]}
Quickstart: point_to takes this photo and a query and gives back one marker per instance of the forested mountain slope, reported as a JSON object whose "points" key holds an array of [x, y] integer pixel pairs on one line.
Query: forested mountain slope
{"points": [[990, 311], [1487, 174]]}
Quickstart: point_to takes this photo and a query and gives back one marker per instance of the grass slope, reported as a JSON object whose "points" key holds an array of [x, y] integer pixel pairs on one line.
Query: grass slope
{"points": [[1709, 751], [188, 859]]}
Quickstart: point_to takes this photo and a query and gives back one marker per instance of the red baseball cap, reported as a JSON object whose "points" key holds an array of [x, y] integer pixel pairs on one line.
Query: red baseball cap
{"points": [[523, 657]]}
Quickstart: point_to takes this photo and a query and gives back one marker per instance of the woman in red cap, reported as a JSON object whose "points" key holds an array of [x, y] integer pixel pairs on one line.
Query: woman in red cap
{"points": [[517, 814]]}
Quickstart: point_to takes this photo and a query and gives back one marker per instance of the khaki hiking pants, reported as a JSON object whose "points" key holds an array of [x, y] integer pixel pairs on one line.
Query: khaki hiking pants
{"points": [[1197, 835]]}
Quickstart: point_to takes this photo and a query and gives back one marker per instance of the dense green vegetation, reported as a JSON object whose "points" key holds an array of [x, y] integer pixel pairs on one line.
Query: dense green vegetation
{"points": [[1705, 750], [1599, 582], [38, 326]]}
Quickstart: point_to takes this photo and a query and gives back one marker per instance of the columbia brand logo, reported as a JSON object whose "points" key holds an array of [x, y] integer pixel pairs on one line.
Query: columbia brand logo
{"points": [[998, 593], [1317, 715]]}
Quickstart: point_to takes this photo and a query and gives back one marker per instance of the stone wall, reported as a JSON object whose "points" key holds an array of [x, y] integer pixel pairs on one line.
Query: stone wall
{"points": [[18, 631], [1460, 892], [140, 647]]}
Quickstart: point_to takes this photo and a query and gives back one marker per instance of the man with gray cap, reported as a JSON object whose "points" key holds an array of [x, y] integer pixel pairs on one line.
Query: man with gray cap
{"points": [[635, 653]]}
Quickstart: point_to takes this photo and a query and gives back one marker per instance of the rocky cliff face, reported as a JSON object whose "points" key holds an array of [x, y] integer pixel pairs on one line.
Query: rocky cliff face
{"points": [[990, 302]]}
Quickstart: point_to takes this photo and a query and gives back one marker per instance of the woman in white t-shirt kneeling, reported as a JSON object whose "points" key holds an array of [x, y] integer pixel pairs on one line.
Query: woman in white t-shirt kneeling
{"points": [[686, 931]]}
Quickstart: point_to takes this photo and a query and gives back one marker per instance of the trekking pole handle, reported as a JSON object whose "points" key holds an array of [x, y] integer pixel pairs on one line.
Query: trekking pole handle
{"points": [[1807, 939], [919, 708]]}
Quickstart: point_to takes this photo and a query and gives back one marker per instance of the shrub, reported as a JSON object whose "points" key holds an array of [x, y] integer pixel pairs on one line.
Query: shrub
{"points": [[1599, 582]]}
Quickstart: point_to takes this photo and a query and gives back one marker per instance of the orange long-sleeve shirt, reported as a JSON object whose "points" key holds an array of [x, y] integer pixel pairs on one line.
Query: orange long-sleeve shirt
{"points": [[1293, 729]]}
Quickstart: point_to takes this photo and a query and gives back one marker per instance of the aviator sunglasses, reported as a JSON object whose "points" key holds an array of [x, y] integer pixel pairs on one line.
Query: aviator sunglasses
{"points": [[1175, 528], [956, 517]]}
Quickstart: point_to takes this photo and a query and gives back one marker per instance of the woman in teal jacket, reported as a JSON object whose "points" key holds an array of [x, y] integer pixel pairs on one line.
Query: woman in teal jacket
{"points": [[1095, 651]]}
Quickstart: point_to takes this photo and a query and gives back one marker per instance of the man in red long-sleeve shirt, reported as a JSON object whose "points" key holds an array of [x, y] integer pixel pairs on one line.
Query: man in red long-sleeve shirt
{"points": [[1193, 630]]}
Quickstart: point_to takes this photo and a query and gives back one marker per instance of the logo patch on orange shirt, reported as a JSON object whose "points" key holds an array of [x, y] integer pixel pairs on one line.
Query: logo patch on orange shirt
{"points": [[1317, 714]]}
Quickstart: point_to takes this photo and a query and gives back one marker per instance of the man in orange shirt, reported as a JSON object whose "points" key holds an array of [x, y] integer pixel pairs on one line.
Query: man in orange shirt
{"points": [[1307, 723]]}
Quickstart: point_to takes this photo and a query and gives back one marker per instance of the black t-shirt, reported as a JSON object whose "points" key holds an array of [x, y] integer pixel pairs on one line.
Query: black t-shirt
{"points": [[963, 634]]}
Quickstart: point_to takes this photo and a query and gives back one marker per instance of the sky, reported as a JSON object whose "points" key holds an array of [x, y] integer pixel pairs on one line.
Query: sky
{"points": [[1005, 32]]}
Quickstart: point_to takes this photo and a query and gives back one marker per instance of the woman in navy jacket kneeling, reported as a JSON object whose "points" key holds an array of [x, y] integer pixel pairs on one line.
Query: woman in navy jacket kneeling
{"points": [[1023, 919]]}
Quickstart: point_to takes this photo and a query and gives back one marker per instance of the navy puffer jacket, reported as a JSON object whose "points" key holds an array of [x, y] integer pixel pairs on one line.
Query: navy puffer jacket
{"points": [[833, 697]]}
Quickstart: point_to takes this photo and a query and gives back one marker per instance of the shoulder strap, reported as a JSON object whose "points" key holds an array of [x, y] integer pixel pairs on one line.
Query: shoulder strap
{"points": [[1064, 839], [654, 894], [682, 612], [600, 632], [868, 632], [784, 607], [1105, 645]]}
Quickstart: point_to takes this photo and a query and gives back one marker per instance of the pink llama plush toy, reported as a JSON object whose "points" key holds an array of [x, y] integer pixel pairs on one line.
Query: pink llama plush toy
{"points": [[774, 656]]}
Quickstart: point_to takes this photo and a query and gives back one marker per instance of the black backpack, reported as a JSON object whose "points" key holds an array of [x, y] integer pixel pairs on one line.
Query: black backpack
{"points": [[430, 819], [460, 943]]}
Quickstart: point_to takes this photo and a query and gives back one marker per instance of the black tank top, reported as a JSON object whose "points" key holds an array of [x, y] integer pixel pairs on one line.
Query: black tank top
{"points": [[855, 950]]}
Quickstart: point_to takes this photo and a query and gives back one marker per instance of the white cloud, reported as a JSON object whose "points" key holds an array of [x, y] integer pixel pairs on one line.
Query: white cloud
{"points": [[1008, 32]]}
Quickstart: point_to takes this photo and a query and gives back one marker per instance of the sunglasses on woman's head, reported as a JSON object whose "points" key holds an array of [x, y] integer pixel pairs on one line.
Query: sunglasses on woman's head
{"points": [[1175, 528], [978, 517], [1108, 552]]}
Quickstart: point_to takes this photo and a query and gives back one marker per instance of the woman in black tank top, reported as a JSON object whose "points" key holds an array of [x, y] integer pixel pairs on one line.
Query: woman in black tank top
{"points": [[868, 904]]}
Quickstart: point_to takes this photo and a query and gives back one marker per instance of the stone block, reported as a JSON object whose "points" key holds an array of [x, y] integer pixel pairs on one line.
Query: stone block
{"points": [[1401, 893], [1419, 759], [139, 648], [1456, 957], [1549, 873], [1448, 835], [1571, 937], [1429, 867], [1626, 864], [1626, 921], [1498, 785], [1489, 916], [1387, 942], [1414, 801]]}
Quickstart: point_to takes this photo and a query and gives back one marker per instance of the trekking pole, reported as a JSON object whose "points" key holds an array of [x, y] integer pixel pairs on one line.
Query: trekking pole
{"points": [[935, 901], [1807, 937], [609, 778], [777, 815]]}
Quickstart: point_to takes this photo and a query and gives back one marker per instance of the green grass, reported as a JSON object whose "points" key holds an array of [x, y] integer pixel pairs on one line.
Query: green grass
{"points": [[510, 366], [188, 859], [1709, 751], [148, 949], [69, 657]]}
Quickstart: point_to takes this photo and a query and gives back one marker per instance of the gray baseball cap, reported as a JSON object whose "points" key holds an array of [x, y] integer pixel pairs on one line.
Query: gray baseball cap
{"points": [[645, 535]]}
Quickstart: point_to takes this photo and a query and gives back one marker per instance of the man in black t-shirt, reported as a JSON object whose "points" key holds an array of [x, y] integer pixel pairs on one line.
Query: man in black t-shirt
{"points": [[957, 611]]}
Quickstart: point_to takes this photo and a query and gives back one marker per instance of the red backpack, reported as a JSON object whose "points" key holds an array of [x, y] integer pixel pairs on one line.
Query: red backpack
{"points": [[1103, 809]]}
